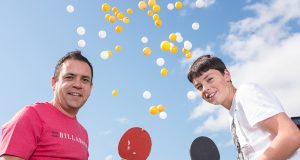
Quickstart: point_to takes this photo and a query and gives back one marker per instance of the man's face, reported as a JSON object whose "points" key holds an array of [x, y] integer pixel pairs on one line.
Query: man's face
{"points": [[213, 86], [73, 86]]}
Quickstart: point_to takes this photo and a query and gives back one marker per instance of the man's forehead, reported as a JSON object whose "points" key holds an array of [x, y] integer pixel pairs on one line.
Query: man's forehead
{"points": [[75, 67]]}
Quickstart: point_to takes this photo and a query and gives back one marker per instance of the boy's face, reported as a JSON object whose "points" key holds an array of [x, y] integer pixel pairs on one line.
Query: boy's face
{"points": [[214, 86]]}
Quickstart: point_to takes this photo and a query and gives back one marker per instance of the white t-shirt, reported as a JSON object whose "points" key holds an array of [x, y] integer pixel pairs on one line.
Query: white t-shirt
{"points": [[253, 104]]}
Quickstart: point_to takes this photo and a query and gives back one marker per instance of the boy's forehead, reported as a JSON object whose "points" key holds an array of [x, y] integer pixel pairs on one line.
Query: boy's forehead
{"points": [[204, 75]]}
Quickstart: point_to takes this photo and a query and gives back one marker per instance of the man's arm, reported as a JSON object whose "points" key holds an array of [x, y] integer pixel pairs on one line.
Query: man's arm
{"points": [[286, 137], [8, 157]]}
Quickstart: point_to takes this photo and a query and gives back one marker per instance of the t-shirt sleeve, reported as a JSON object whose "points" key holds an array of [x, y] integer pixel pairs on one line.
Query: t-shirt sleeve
{"points": [[21, 134], [258, 103]]}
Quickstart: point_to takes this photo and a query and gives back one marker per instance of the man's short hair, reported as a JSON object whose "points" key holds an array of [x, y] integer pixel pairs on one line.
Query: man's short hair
{"points": [[74, 55]]}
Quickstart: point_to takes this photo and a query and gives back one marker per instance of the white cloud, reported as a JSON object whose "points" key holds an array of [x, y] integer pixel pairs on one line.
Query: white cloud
{"points": [[202, 109], [123, 120], [109, 157], [212, 124], [265, 50]]}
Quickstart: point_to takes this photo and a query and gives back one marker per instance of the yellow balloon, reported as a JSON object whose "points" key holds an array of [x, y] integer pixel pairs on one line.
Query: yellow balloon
{"points": [[105, 7], [158, 23], [153, 110], [173, 49], [151, 3], [172, 37], [120, 15], [125, 20], [164, 72], [116, 13], [112, 19], [129, 11], [185, 51], [118, 29], [188, 55], [165, 45], [109, 53], [107, 16], [156, 8], [114, 9], [118, 48], [114, 92], [147, 51], [150, 13], [178, 5], [155, 17], [160, 108], [142, 5]]}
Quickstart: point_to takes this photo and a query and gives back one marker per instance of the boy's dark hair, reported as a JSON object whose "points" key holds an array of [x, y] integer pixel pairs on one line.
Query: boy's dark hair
{"points": [[203, 64], [74, 55]]}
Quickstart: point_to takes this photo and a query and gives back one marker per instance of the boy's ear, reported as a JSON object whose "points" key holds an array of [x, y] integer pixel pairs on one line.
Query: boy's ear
{"points": [[227, 75]]}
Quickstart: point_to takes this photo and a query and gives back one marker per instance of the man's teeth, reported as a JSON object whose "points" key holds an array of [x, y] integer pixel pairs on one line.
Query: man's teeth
{"points": [[75, 94]]}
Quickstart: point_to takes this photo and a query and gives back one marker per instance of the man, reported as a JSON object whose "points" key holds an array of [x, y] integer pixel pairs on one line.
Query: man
{"points": [[260, 128], [50, 130]]}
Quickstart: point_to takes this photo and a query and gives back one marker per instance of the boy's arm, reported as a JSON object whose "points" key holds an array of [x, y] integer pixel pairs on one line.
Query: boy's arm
{"points": [[286, 137]]}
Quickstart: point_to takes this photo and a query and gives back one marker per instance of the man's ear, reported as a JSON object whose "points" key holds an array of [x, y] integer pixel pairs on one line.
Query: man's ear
{"points": [[227, 75], [53, 83]]}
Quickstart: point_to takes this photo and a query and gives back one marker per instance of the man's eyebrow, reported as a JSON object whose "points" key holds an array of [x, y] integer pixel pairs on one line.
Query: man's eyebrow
{"points": [[84, 76]]}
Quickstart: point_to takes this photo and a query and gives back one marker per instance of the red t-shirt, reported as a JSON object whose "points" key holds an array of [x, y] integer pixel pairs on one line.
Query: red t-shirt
{"points": [[42, 132]]}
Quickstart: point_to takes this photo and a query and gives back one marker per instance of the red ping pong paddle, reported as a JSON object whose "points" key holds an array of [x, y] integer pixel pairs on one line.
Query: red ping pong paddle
{"points": [[135, 144]]}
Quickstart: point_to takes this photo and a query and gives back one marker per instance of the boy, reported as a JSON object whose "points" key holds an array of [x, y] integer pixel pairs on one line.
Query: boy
{"points": [[260, 128]]}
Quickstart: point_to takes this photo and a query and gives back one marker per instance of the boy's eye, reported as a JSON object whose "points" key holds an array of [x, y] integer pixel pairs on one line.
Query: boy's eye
{"points": [[199, 87]]}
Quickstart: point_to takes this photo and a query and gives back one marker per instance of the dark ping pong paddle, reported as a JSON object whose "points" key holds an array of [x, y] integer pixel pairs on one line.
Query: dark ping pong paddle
{"points": [[203, 148], [135, 144]]}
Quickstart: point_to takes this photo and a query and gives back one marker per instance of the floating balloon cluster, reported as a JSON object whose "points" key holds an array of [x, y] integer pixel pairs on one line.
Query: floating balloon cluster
{"points": [[158, 109], [117, 15], [155, 8], [113, 15]]}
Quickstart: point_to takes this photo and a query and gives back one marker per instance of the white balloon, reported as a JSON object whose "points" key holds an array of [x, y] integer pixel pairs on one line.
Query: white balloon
{"points": [[81, 43], [195, 26], [102, 34], [104, 55], [170, 6], [163, 115], [200, 3], [187, 45], [144, 40], [160, 61], [147, 95], [179, 38], [191, 95], [70, 8], [80, 30]]}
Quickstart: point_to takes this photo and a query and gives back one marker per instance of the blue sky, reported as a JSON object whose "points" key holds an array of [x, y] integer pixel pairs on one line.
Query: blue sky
{"points": [[258, 40]]}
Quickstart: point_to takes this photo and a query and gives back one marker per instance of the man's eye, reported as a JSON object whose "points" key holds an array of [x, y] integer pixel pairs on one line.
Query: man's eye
{"points": [[86, 80], [69, 77]]}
